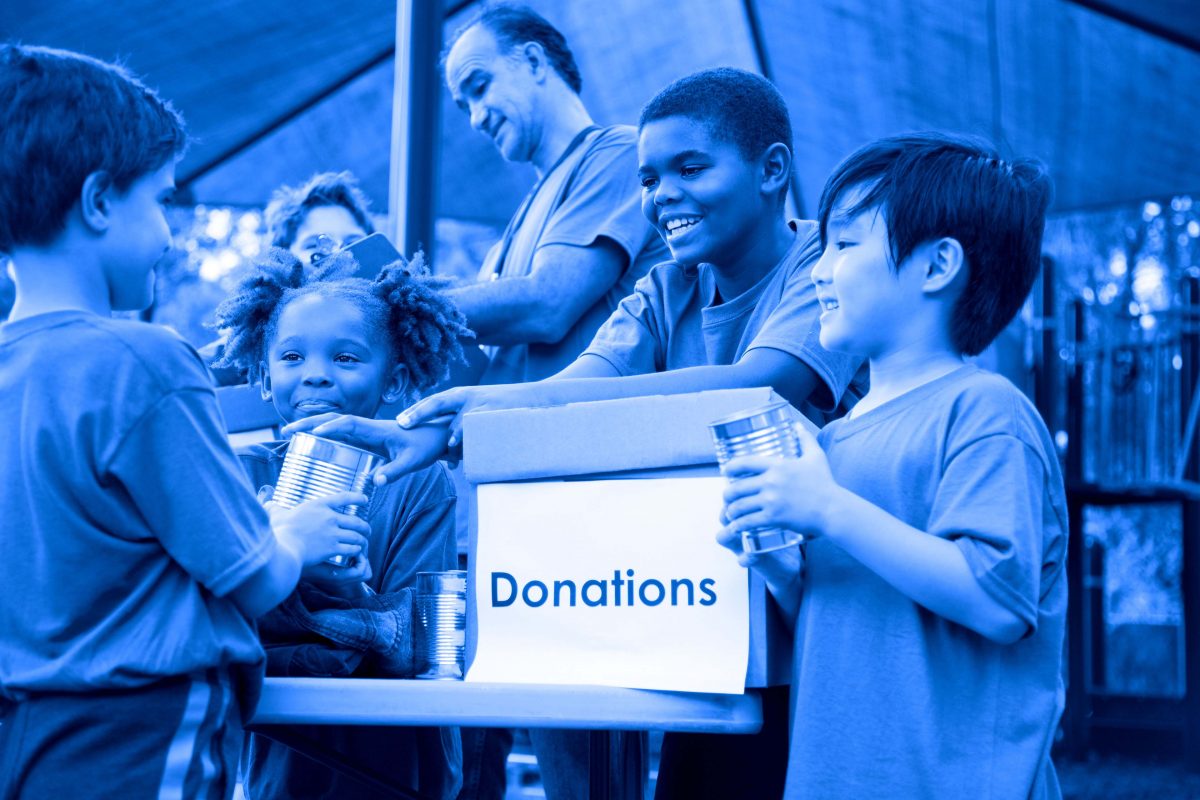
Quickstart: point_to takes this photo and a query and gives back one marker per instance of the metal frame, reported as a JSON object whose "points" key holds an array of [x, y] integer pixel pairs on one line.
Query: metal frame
{"points": [[1104, 719]]}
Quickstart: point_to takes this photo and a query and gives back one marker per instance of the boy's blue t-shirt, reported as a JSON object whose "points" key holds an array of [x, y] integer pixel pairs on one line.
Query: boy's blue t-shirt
{"points": [[412, 530], [672, 321], [126, 520], [888, 696]]}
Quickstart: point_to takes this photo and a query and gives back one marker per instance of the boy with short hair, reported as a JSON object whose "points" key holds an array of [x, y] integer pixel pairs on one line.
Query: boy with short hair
{"points": [[735, 308], [930, 592], [133, 555], [328, 212]]}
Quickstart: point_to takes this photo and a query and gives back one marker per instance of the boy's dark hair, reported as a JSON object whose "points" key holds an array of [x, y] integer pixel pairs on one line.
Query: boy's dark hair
{"points": [[290, 205], [513, 26], [422, 325], [930, 185], [735, 105], [64, 116]]}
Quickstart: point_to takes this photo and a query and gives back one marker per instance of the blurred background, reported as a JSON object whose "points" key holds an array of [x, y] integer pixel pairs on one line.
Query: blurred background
{"points": [[1104, 91]]}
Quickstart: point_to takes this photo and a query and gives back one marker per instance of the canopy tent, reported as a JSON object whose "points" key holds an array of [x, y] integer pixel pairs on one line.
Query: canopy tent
{"points": [[275, 90]]}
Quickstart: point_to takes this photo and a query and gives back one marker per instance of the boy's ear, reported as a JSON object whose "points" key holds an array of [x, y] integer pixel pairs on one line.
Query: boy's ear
{"points": [[776, 163], [264, 380], [943, 264], [397, 384], [95, 201]]}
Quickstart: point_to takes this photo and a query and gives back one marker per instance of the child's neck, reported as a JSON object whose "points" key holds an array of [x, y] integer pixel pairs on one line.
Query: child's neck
{"points": [[767, 247], [905, 369], [57, 278]]}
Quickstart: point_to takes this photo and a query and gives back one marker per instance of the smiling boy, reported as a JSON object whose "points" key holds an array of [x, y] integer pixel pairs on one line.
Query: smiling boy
{"points": [[931, 594], [733, 308]]}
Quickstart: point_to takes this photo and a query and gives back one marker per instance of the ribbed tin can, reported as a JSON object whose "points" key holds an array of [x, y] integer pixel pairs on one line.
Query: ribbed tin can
{"points": [[763, 431], [441, 624], [316, 467]]}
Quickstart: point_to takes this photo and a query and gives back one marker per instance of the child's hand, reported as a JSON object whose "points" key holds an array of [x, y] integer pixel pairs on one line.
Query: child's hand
{"points": [[316, 531], [782, 569], [767, 492], [338, 581]]}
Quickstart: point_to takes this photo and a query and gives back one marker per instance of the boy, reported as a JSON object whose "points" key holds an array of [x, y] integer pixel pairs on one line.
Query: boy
{"points": [[734, 308], [931, 593], [133, 555], [327, 213]]}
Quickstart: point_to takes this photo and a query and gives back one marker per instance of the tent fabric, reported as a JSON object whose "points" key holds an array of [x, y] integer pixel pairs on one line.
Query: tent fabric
{"points": [[274, 91]]}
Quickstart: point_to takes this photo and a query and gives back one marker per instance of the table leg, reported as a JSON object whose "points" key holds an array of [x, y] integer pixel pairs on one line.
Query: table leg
{"points": [[599, 765]]}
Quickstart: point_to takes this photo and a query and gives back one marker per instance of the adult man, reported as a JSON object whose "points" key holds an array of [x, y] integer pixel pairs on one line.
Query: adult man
{"points": [[579, 241], [572, 251]]}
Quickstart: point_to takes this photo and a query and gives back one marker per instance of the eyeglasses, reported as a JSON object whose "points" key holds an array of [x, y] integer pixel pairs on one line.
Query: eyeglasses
{"points": [[323, 247]]}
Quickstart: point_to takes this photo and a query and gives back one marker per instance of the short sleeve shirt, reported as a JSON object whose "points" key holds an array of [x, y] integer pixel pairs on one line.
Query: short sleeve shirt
{"points": [[889, 694], [671, 320], [594, 193], [126, 518]]}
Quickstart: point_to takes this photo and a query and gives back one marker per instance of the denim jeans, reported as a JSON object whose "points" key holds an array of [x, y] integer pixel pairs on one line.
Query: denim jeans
{"points": [[485, 753], [710, 766]]}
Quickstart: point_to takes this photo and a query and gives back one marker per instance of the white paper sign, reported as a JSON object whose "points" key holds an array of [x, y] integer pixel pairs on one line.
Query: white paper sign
{"points": [[611, 583]]}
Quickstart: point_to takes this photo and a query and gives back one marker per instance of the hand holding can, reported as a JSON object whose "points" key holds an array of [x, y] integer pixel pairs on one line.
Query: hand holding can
{"points": [[764, 431]]}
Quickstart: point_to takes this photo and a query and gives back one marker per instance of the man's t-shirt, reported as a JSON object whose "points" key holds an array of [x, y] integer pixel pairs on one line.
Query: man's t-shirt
{"points": [[126, 519], [593, 193], [890, 696], [671, 321]]}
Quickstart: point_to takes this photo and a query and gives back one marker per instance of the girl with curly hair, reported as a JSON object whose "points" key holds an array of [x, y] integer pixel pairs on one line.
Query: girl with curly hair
{"points": [[317, 341]]}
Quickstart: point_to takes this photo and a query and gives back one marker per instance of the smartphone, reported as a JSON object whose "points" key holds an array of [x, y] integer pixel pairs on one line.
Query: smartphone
{"points": [[373, 253]]}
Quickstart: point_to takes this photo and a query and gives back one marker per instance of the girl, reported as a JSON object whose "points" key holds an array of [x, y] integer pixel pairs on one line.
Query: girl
{"points": [[322, 342]]}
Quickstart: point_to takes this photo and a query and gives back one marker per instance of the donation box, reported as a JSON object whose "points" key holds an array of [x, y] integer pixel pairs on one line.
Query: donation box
{"points": [[593, 552]]}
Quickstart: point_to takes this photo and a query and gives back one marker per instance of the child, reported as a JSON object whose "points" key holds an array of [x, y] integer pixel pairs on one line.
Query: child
{"points": [[133, 557], [327, 213], [318, 342], [931, 592], [734, 308]]}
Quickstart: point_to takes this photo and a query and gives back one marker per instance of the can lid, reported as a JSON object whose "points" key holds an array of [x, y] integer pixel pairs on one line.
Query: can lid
{"points": [[451, 581], [751, 420], [334, 452]]}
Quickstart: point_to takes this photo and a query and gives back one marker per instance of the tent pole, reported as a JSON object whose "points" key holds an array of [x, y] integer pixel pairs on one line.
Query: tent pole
{"points": [[415, 111]]}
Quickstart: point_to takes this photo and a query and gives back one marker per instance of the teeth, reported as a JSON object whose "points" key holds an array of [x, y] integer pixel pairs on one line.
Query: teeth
{"points": [[680, 223], [829, 304]]}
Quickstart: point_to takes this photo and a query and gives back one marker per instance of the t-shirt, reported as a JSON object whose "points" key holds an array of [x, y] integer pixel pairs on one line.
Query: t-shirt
{"points": [[593, 193], [888, 696], [126, 518], [673, 320], [412, 530]]}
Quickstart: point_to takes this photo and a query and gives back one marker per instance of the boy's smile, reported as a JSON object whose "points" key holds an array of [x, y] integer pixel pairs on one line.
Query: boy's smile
{"points": [[325, 357], [698, 191], [867, 307]]}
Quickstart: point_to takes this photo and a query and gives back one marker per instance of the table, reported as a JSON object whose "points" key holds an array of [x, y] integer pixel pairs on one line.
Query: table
{"points": [[371, 701]]}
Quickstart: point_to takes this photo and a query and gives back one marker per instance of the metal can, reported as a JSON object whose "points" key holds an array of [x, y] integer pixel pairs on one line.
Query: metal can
{"points": [[763, 431], [441, 624], [316, 467]]}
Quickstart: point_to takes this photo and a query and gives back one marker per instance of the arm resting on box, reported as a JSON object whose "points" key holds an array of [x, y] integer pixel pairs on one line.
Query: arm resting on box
{"points": [[790, 377]]}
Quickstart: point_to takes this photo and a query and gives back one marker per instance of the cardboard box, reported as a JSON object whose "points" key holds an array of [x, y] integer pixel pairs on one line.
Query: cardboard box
{"points": [[643, 437]]}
